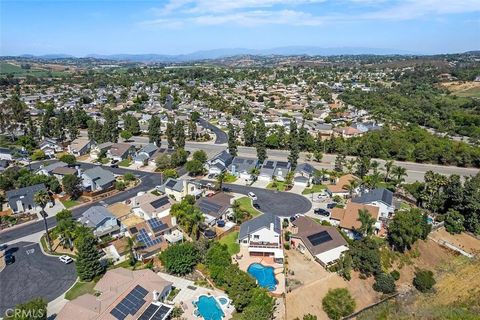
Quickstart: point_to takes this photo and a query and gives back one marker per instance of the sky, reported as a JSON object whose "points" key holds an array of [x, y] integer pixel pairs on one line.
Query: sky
{"points": [[183, 26]]}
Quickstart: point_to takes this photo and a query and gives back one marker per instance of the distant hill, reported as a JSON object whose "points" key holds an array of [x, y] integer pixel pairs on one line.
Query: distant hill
{"points": [[230, 52]]}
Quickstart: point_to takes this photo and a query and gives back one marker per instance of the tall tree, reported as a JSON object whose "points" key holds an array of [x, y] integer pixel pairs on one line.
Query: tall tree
{"points": [[232, 141], [41, 199], [249, 133], [261, 134], [154, 131], [367, 222], [192, 130], [72, 185], [179, 134], [293, 144], [302, 136], [339, 162], [388, 169], [131, 124], [170, 133], [110, 130], [88, 258], [407, 227]]}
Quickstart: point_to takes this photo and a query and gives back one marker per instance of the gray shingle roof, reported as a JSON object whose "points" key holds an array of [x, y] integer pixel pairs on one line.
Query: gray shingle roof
{"points": [[305, 168], [258, 223], [95, 216], [101, 176], [380, 194], [243, 164], [25, 195], [53, 166]]}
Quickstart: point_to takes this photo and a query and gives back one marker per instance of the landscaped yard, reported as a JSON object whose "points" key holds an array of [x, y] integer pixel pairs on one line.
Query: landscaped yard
{"points": [[277, 185], [246, 205], [80, 288], [70, 203], [125, 163], [314, 189], [231, 241], [229, 178]]}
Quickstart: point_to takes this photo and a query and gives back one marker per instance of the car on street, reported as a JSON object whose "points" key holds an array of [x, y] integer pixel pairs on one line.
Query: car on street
{"points": [[256, 205], [9, 258], [331, 205], [65, 259], [252, 196], [321, 212]]}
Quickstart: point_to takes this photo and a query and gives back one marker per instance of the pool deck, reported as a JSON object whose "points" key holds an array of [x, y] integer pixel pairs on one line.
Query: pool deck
{"points": [[187, 296], [247, 260]]}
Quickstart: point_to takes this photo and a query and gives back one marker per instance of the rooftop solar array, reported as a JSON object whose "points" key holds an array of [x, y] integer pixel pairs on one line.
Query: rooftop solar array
{"points": [[319, 238], [171, 183], [155, 312], [130, 304], [144, 238], [157, 225], [269, 165], [160, 202], [133, 230], [207, 206], [282, 164]]}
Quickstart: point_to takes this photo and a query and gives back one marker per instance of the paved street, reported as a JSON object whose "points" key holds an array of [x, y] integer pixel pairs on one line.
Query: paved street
{"points": [[33, 275], [221, 136], [284, 204]]}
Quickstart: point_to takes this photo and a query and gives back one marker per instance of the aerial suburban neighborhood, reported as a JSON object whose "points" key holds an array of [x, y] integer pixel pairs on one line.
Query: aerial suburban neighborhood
{"points": [[243, 186]]}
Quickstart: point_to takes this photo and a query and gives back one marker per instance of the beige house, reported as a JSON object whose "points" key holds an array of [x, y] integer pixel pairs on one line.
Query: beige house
{"points": [[178, 188], [121, 294]]}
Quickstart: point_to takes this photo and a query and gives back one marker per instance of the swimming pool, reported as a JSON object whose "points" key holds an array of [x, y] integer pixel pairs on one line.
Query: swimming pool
{"points": [[223, 300], [264, 275], [208, 308]]}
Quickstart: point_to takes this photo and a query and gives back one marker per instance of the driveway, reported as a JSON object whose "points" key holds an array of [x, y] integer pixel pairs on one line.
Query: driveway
{"points": [[221, 136], [283, 204], [33, 275]]}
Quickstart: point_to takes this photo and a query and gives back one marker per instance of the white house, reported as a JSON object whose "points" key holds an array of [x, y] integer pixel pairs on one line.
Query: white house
{"points": [[80, 146], [101, 220], [381, 198], [262, 236], [177, 189], [219, 163], [274, 170], [242, 167]]}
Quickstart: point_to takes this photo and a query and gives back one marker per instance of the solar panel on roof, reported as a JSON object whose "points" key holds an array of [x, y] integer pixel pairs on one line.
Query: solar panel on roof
{"points": [[319, 238], [133, 230], [161, 313], [160, 202], [147, 241], [207, 206], [117, 314], [171, 183], [149, 312], [130, 304], [268, 165], [157, 225]]}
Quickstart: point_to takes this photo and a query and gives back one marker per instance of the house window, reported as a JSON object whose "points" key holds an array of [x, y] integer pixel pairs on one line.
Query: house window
{"points": [[256, 237]]}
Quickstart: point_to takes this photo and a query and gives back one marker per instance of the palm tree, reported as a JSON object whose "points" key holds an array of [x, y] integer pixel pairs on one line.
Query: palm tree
{"points": [[367, 222], [388, 169], [220, 179], [399, 173], [351, 186], [41, 199]]}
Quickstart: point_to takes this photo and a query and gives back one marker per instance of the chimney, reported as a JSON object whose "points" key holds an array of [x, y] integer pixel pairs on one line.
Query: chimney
{"points": [[156, 295], [174, 221], [272, 226]]}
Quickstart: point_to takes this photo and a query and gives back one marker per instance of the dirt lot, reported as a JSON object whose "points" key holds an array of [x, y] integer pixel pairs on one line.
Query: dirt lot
{"points": [[315, 284], [463, 89], [463, 241]]}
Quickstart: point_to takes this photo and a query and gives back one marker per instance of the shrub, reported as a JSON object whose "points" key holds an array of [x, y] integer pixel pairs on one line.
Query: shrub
{"points": [[395, 275], [286, 246], [338, 303], [119, 185], [180, 258], [384, 283], [129, 176], [424, 280]]}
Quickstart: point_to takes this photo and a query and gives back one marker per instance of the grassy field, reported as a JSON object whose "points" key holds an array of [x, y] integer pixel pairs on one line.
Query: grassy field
{"points": [[125, 163], [231, 241], [464, 89], [246, 205], [314, 189], [80, 288], [229, 178], [70, 203], [16, 70]]}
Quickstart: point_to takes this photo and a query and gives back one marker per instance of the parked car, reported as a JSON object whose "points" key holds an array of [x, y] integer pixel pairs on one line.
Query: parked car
{"points": [[256, 205], [65, 259], [9, 258], [331, 205], [321, 212], [252, 196]]}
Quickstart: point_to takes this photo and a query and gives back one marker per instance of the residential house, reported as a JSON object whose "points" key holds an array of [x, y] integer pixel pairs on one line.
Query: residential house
{"points": [[97, 179], [122, 294], [219, 163], [340, 186], [144, 154], [50, 147], [120, 151], [381, 198], [100, 149], [160, 151], [243, 167], [48, 169], [215, 207], [6, 154], [321, 243], [61, 172], [178, 188], [347, 218], [262, 236], [148, 206], [304, 174], [100, 220], [274, 170], [22, 200], [80, 146], [346, 132]]}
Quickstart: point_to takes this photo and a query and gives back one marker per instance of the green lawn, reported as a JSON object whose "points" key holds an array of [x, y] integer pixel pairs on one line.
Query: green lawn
{"points": [[125, 163], [277, 185], [16, 70], [246, 205], [314, 189], [70, 203], [229, 178], [80, 288], [231, 241]]}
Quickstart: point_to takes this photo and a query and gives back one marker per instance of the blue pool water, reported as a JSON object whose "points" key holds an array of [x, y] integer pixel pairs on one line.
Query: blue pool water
{"points": [[223, 301], [208, 308], [264, 275]]}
